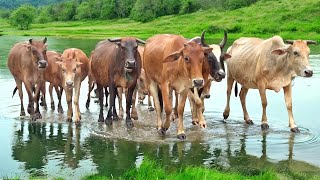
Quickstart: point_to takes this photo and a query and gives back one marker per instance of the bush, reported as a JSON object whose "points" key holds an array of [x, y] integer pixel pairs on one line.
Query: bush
{"points": [[23, 16]]}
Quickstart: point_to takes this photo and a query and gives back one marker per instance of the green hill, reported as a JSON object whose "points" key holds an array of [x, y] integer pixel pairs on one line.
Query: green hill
{"points": [[291, 19]]}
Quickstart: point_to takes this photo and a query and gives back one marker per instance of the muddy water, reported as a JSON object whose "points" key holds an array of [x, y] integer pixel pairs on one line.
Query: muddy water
{"points": [[55, 148]]}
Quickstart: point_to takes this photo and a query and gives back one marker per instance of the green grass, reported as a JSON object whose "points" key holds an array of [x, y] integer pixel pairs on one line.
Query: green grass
{"points": [[290, 19]]}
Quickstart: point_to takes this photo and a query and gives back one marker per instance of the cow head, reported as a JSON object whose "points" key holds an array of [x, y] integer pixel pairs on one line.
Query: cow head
{"points": [[69, 68], [38, 51], [191, 55], [129, 48], [298, 56]]}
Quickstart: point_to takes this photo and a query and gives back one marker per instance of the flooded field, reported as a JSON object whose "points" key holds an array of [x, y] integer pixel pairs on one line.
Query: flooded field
{"points": [[55, 148]]}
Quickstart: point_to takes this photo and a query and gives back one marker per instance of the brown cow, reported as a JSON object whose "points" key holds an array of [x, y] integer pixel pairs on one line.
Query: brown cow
{"points": [[266, 64], [174, 63], [53, 75], [26, 62], [116, 63], [74, 66]]}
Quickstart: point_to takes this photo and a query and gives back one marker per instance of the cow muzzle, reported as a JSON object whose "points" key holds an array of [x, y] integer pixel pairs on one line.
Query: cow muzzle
{"points": [[130, 64], [198, 83], [42, 64], [308, 73], [218, 76], [69, 84]]}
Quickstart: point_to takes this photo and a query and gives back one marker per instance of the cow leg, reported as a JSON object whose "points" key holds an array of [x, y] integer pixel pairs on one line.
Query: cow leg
{"points": [[243, 94], [69, 94], [134, 114], [156, 102], [264, 102], [76, 101], [129, 122], [174, 114], [226, 111], [59, 94], [100, 94], [43, 97], [199, 109], [31, 100], [36, 100], [90, 88], [288, 99], [51, 96], [182, 101], [19, 86], [111, 116], [194, 114], [120, 91], [150, 108], [167, 101], [106, 93]]}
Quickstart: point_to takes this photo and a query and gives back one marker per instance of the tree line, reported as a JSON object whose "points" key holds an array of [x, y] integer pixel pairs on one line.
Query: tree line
{"points": [[138, 10]]}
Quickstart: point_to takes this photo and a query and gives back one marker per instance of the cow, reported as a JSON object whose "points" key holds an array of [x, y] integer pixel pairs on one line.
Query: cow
{"points": [[212, 69], [116, 63], [266, 64], [173, 63], [26, 62], [53, 75], [74, 68]]}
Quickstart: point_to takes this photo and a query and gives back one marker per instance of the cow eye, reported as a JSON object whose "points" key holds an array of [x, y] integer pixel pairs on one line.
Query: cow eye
{"points": [[74, 70], [295, 53], [63, 70], [186, 58]]}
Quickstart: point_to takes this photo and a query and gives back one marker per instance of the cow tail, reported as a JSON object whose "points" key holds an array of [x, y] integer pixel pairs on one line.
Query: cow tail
{"points": [[14, 91], [236, 89]]}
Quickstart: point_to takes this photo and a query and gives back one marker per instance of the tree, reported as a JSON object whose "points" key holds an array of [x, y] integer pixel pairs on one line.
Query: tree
{"points": [[23, 16]]}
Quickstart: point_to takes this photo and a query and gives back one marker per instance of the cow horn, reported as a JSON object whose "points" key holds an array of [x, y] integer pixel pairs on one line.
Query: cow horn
{"points": [[202, 37], [30, 41], [140, 41], [224, 40], [115, 40], [289, 41], [45, 40], [311, 42]]}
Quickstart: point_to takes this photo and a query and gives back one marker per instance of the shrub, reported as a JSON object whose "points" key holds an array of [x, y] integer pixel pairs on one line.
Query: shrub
{"points": [[23, 16]]}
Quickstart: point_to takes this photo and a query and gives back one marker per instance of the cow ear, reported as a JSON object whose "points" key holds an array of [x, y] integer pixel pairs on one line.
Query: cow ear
{"points": [[172, 57], [279, 51], [118, 44], [226, 56], [30, 41], [78, 64], [45, 40], [207, 49]]}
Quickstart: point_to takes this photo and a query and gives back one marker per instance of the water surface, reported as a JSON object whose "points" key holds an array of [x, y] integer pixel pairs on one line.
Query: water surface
{"points": [[55, 148]]}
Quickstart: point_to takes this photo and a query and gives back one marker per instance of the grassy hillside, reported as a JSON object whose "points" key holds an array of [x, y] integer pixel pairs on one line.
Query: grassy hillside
{"points": [[292, 19]]}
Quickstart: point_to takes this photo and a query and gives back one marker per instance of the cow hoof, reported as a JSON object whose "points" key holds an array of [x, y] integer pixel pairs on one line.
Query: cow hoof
{"points": [[87, 105], [250, 122], [108, 121], [264, 126], [100, 119], [38, 115], [162, 132], [96, 101], [195, 122], [45, 107], [22, 113], [134, 116], [29, 109], [295, 130], [203, 125], [129, 124], [225, 116], [42, 104], [77, 123], [224, 121], [53, 107], [150, 108], [60, 110], [69, 119], [140, 102], [182, 136]]}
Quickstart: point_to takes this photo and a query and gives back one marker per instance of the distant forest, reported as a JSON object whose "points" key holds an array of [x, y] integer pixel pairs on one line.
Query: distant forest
{"points": [[139, 10]]}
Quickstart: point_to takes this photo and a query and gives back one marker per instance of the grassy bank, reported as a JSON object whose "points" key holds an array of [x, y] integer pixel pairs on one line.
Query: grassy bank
{"points": [[290, 19]]}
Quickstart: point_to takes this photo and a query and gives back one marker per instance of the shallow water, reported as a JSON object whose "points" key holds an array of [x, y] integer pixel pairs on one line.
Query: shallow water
{"points": [[55, 148]]}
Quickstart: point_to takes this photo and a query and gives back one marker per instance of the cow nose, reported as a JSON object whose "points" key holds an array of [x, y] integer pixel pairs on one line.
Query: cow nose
{"points": [[130, 63], [221, 73], [69, 83], [198, 82], [207, 96], [308, 73], [42, 64]]}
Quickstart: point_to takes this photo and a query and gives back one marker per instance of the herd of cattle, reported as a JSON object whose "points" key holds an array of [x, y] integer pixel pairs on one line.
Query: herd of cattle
{"points": [[164, 65]]}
